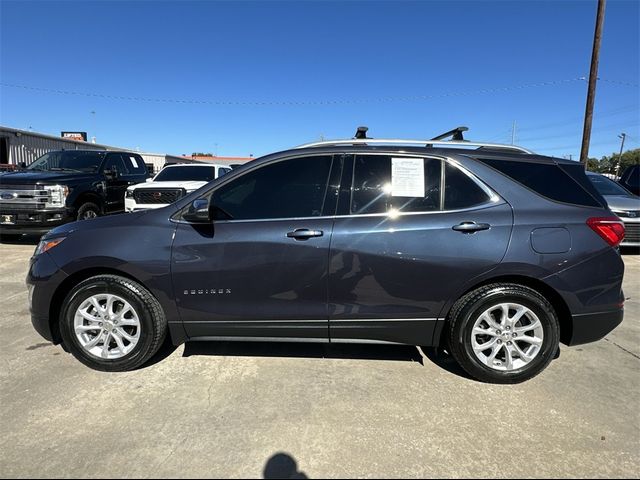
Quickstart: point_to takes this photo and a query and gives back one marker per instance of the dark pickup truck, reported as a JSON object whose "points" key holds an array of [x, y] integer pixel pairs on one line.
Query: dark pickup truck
{"points": [[64, 186]]}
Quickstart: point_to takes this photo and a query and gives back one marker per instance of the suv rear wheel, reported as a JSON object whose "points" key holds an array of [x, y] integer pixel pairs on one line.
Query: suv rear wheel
{"points": [[503, 333], [111, 323]]}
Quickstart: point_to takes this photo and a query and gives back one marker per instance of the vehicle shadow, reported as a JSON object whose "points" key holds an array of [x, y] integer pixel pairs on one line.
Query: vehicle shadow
{"points": [[282, 465], [164, 352], [444, 360], [404, 353]]}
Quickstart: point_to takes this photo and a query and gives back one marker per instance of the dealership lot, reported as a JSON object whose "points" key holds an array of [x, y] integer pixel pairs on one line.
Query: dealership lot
{"points": [[224, 409]]}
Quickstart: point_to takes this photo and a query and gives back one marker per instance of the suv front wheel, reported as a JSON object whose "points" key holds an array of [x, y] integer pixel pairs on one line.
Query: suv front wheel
{"points": [[112, 323], [87, 211], [503, 333]]}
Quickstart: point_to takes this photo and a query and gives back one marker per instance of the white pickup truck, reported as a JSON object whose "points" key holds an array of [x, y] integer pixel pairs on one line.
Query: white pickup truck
{"points": [[170, 184]]}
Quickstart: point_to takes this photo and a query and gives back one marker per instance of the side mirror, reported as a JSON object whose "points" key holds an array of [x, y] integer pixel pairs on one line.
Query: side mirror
{"points": [[149, 180], [198, 212], [22, 165]]}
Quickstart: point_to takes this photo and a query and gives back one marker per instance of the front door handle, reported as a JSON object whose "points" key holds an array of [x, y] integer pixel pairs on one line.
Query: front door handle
{"points": [[471, 227], [304, 234]]}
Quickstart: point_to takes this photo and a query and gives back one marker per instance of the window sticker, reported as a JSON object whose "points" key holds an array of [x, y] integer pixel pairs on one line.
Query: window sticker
{"points": [[407, 177], [133, 160]]}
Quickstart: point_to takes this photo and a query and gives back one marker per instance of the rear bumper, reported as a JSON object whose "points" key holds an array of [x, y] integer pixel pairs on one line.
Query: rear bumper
{"points": [[591, 327]]}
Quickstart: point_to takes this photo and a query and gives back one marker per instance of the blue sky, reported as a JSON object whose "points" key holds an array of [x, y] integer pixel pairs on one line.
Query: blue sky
{"points": [[405, 69]]}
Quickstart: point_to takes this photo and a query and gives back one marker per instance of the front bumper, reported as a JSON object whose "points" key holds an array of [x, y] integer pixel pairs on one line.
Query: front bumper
{"points": [[130, 205], [632, 232], [43, 279], [33, 222], [591, 327]]}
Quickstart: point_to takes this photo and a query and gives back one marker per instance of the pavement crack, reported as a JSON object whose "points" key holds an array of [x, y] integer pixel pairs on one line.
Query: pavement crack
{"points": [[209, 396], [173, 450], [623, 349]]}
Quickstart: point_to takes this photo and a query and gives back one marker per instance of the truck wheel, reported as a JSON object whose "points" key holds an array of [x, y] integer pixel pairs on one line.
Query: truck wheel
{"points": [[503, 333], [88, 211], [111, 323]]}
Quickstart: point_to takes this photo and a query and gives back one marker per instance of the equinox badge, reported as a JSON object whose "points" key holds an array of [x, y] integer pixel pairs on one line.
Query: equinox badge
{"points": [[211, 291]]}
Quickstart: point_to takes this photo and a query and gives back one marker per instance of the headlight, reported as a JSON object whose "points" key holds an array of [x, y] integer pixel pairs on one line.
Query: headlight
{"points": [[57, 195], [47, 244], [129, 194]]}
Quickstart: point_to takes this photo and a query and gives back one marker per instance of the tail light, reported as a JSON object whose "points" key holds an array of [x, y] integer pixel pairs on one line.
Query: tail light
{"points": [[611, 229]]}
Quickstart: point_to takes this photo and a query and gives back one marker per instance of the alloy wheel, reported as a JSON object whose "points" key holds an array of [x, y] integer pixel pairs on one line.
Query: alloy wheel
{"points": [[507, 336], [107, 326]]}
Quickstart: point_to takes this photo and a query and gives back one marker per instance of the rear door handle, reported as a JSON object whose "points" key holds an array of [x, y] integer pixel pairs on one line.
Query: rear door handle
{"points": [[304, 234], [471, 227]]}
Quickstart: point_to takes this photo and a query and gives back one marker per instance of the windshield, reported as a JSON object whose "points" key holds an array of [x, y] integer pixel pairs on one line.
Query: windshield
{"points": [[73, 160], [205, 173], [606, 186]]}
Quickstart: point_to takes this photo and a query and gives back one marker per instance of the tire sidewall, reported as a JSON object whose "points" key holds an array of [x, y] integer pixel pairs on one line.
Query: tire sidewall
{"points": [[99, 286], [546, 315], [86, 207]]}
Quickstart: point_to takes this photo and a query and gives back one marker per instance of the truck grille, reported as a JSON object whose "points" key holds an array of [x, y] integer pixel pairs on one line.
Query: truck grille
{"points": [[631, 232], [159, 196], [23, 197]]}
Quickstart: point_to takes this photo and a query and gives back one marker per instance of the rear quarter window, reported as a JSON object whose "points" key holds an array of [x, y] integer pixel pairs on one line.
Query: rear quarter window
{"points": [[549, 180]]}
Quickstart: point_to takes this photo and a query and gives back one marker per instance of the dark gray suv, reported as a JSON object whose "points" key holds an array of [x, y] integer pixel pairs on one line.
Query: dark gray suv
{"points": [[490, 251]]}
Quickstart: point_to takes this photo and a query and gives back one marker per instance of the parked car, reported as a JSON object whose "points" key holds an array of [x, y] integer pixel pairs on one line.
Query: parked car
{"points": [[490, 251], [170, 184], [630, 179], [64, 186], [623, 203]]}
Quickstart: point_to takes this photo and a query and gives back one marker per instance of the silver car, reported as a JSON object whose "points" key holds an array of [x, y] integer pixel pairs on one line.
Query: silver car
{"points": [[623, 203]]}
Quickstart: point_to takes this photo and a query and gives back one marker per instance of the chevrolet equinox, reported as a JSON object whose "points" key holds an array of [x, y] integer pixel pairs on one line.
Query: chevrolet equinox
{"points": [[492, 252]]}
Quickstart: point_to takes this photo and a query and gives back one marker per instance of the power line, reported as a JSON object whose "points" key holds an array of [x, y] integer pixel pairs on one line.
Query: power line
{"points": [[578, 120], [597, 130], [292, 102], [617, 82], [575, 145]]}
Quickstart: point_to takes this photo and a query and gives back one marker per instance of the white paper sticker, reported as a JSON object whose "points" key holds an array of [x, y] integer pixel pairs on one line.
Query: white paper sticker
{"points": [[407, 177], [133, 160]]}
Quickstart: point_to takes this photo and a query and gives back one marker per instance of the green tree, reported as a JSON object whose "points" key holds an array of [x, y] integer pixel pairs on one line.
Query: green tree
{"points": [[609, 163]]}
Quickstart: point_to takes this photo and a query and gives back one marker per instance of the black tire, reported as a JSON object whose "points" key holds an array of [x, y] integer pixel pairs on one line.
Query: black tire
{"points": [[88, 210], [153, 324], [471, 306]]}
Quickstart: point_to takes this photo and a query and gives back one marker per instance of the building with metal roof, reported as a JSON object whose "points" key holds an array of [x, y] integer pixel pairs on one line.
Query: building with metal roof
{"points": [[22, 147]]}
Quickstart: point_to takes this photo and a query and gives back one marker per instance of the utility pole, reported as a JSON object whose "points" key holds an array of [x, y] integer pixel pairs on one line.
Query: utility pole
{"points": [[513, 133], [622, 136], [593, 77]]}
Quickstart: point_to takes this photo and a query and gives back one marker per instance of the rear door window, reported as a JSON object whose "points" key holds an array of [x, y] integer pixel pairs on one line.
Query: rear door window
{"points": [[115, 160], [460, 191], [434, 189], [373, 186]]}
